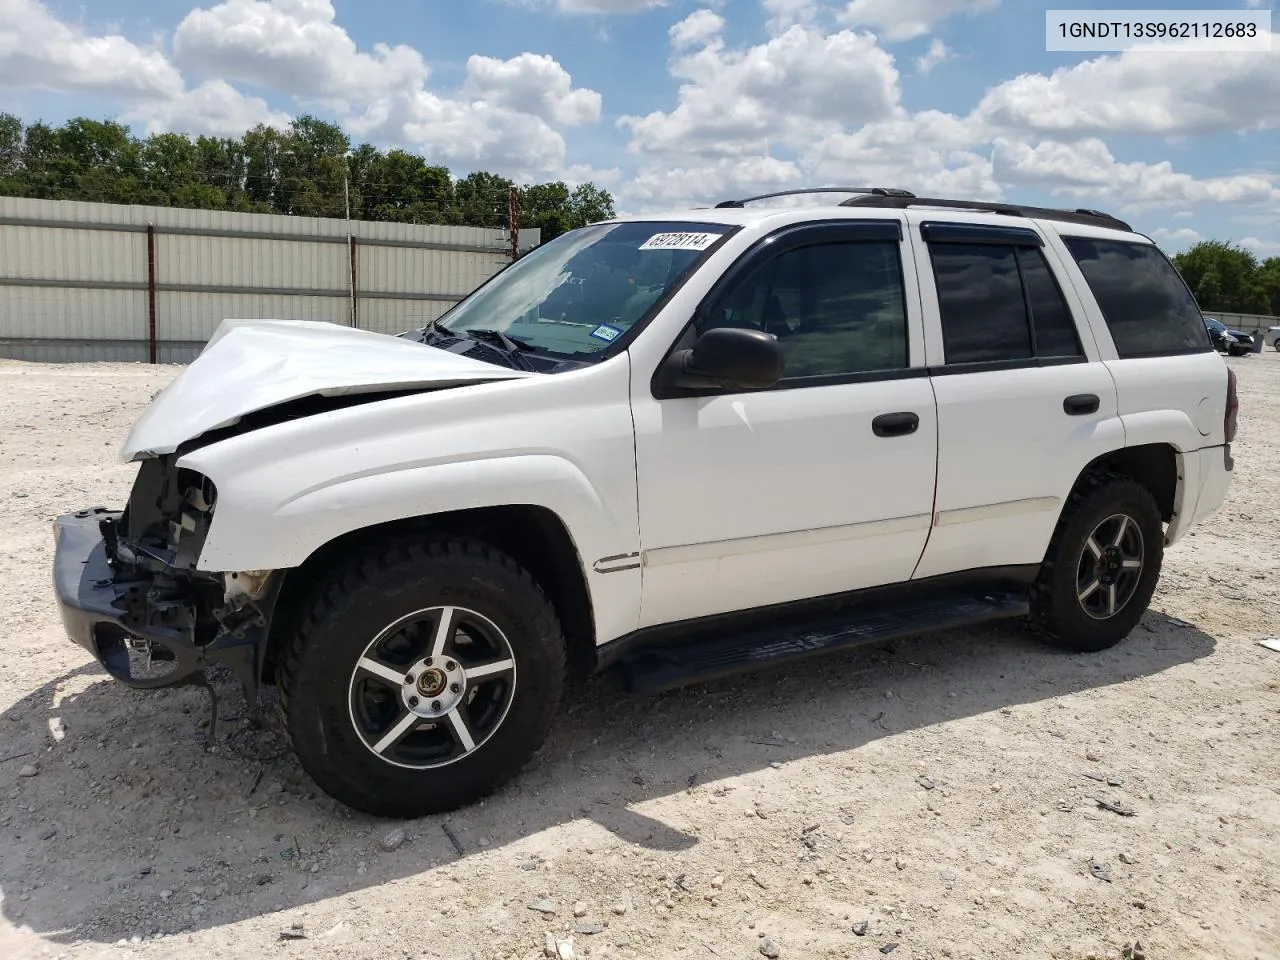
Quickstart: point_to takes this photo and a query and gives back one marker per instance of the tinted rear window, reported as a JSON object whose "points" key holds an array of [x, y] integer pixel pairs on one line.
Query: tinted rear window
{"points": [[984, 315], [1148, 308]]}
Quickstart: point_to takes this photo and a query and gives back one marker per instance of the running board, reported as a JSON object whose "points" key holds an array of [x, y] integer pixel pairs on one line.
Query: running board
{"points": [[717, 655]]}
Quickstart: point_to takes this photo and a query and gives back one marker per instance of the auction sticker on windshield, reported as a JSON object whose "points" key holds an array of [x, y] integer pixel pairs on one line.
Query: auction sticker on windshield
{"points": [[680, 241], [606, 333]]}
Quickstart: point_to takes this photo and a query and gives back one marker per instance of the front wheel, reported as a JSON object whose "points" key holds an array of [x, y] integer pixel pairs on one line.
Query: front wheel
{"points": [[1102, 565], [422, 677]]}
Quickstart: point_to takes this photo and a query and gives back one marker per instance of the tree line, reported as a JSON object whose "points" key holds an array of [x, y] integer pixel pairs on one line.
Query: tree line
{"points": [[1228, 278], [310, 170]]}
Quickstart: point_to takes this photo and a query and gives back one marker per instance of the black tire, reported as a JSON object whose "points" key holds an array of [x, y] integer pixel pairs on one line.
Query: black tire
{"points": [[322, 691], [1276, 344], [1059, 610]]}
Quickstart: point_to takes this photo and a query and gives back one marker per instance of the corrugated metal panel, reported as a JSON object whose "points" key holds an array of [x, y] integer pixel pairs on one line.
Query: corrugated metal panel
{"points": [[75, 351], [195, 316], [397, 316], [405, 270], [41, 312], [268, 254], [68, 254], [227, 262]]}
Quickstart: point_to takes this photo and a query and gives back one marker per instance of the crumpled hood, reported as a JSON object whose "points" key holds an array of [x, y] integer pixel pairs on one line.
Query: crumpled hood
{"points": [[252, 365]]}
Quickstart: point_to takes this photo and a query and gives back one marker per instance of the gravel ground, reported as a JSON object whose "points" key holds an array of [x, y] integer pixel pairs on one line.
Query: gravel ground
{"points": [[938, 793]]}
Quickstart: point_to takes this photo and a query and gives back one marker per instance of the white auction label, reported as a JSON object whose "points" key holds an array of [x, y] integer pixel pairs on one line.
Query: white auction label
{"points": [[680, 241]]}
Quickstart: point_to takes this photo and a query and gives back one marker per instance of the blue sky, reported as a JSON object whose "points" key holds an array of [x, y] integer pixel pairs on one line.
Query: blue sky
{"points": [[680, 102]]}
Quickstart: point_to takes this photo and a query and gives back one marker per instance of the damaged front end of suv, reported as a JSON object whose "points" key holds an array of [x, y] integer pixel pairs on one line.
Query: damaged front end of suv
{"points": [[130, 591]]}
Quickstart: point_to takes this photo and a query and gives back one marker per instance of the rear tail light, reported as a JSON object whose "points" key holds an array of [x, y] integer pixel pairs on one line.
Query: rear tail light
{"points": [[1233, 406]]}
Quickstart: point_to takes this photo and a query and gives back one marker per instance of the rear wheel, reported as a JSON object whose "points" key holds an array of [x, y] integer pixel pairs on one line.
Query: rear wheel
{"points": [[1102, 566], [422, 678]]}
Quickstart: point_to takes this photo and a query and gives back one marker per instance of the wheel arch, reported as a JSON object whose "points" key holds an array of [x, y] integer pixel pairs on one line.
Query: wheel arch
{"points": [[1156, 466], [535, 537]]}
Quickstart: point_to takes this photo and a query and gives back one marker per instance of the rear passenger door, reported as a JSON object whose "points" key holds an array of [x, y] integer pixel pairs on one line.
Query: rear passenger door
{"points": [[1021, 410]]}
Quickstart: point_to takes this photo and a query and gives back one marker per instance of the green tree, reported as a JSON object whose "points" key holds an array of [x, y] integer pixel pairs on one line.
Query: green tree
{"points": [[1238, 287], [545, 207], [11, 131], [1269, 280], [1209, 290], [402, 187], [307, 170], [481, 200], [590, 204]]}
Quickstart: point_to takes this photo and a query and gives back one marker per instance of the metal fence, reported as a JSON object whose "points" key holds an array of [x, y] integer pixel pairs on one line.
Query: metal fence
{"points": [[96, 281]]}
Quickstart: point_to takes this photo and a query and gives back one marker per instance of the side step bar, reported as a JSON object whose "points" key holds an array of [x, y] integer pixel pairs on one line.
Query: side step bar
{"points": [[716, 655]]}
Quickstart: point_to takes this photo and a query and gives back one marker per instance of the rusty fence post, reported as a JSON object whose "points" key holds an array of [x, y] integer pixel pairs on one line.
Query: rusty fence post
{"points": [[152, 346], [513, 222], [355, 279]]}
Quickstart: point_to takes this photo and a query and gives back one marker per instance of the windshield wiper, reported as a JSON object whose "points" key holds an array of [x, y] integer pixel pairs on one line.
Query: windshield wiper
{"points": [[508, 342], [512, 349]]}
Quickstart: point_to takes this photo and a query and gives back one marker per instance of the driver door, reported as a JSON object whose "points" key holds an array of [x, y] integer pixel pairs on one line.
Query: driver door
{"points": [[821, 485]]}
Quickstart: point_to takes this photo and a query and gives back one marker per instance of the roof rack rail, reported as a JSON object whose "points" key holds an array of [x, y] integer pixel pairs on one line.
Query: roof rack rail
{"points": [[1093, 218], [873, 191]]}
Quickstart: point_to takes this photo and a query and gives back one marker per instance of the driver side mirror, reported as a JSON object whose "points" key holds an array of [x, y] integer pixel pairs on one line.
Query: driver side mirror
{"points": [[726, 358]]}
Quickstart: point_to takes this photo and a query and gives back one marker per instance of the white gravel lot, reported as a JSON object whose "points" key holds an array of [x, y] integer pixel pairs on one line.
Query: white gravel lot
{"points": [[786, 806]]}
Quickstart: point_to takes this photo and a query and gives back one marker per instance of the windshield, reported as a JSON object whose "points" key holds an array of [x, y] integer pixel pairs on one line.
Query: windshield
{"points": [[577, 294], [1213, 324]]}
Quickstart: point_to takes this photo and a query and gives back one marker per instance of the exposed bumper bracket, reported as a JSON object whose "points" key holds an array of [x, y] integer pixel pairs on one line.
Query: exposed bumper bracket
{"points": [[118, 618]]}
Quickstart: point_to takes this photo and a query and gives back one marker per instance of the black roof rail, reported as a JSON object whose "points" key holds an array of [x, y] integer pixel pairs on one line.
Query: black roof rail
{"points": [[873, 191], [1092, 218]]}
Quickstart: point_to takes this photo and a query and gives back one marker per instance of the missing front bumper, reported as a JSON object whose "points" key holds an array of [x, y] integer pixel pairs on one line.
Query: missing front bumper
{"points": [[146, 631]]}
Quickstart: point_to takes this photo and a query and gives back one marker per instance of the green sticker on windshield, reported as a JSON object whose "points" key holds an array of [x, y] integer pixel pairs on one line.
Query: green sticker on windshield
{"points": [[606, 333]]}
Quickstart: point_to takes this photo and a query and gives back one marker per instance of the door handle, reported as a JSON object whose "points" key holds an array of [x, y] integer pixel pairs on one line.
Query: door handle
{"points": [[895, 424], [1082, 404]]}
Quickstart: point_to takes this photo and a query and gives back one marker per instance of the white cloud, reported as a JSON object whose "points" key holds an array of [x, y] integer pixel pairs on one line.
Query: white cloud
{"points": [[930, 153], [1176, 239], [907, 19], [706, 184], [503, 118], [38, 51], [1086, 168], [531, 83], [295, 47], [937, 53], [215, 108], [787, 13], [796, 86], [697, 29], [1263, 248], [1175, 92]]}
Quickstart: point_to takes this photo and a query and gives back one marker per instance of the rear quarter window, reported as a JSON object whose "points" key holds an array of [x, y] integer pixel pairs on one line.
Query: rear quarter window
{"points": [[1146, 305]]}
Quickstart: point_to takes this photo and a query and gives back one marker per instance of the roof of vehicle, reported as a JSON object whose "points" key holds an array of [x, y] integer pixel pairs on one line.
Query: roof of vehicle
{"points": [[874, 202]]}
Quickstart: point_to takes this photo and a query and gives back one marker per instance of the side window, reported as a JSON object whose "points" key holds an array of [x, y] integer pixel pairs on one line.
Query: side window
{"points": [[836, 308], [1000, 303], [984, 315], [1147, 307], [1051, 320]]}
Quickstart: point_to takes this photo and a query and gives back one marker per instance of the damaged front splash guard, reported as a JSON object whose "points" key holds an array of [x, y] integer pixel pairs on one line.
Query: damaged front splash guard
{"points": [[114, 612]]}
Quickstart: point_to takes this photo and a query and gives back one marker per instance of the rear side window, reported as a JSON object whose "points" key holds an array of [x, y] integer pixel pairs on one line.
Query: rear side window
{"points": [[1148, 309], [984, 315], [1000, 303]]}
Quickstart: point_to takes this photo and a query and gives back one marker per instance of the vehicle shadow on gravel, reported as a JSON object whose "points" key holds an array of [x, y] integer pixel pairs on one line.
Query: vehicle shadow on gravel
{"points": [[130, 827]]}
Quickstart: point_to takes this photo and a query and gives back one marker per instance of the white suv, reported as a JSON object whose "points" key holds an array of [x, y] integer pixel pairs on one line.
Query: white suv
{"points": [[680, 446]]}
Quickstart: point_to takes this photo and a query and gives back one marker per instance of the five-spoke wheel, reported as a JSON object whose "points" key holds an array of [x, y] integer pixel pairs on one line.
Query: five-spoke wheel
{"points": [[1102, 564], [432, 687], [1110, 567], [421, 677]]}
